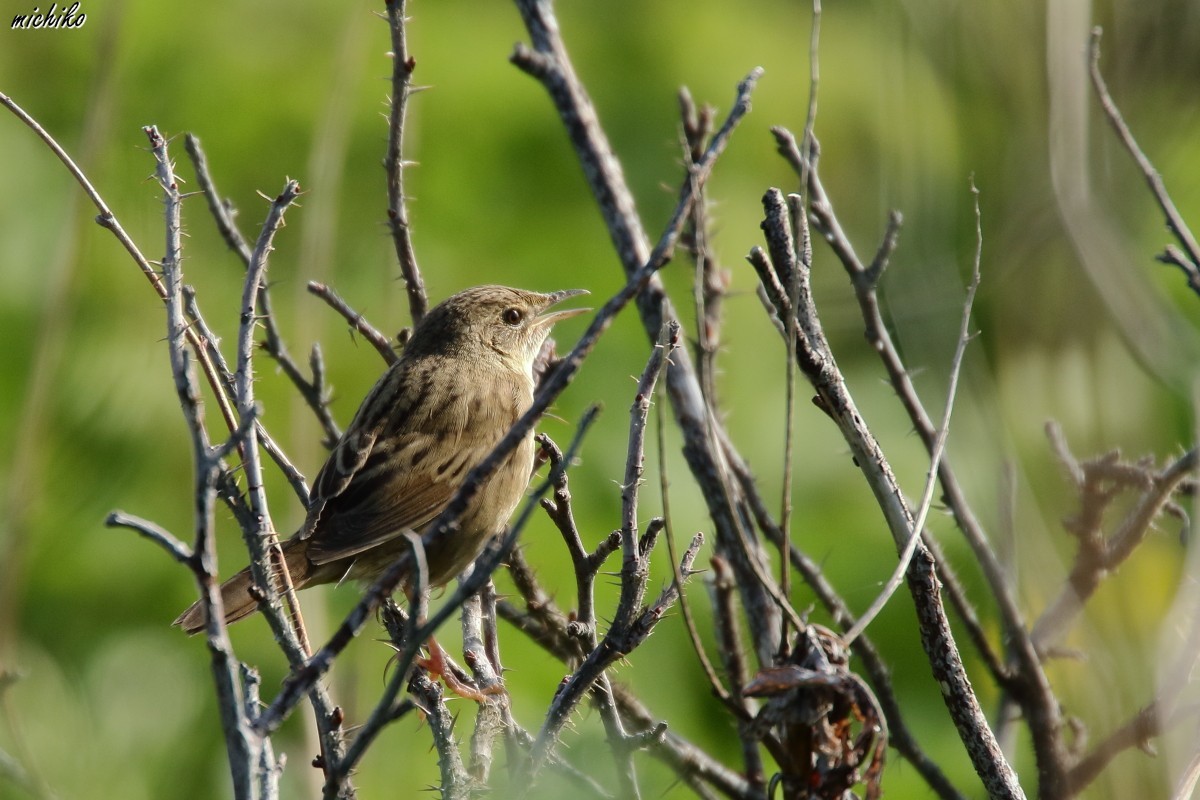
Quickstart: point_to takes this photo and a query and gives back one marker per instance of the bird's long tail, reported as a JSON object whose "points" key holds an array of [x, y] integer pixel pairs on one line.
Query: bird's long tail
{"points": [[235, 592]]}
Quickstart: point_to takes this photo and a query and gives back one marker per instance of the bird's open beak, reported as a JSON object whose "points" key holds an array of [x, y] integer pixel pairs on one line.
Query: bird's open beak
{"points": [[548, 318]]}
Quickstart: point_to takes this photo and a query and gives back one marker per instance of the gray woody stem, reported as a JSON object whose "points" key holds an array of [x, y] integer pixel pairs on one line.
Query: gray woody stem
{"points": [[247, 750], [266, 557], [357, 321], [939, 445], [549, 63], [312, 390], [635, 572], [394, 163], [1026, 677], [816, 361], [1188, 260]]}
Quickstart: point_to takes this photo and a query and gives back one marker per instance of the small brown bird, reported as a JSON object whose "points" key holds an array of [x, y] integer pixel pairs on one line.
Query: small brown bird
{"points": [[464, 378]]}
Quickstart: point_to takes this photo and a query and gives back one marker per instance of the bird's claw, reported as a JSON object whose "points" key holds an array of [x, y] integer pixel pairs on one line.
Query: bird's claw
{"points": [[436, 665]]}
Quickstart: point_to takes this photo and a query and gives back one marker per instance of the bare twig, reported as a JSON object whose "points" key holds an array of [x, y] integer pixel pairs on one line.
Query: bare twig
{"points": [[634, 575], [155, 533], [635, 564], [816, 361], [1038, 701], [803, 254], [266, 558], [729, 646], [939, 444], [617, 643], [312, 390], [1098, 482], [548, 628], [685, 608], [814, 72], [106, 219], [222, 210], [585, 564], [481, 653], [583, 629], [547, 60], [709, 285], [357, 321], [691, 763], [709, 281], [270, 769], [246, 749], [803, 242], [455, 783], [394, 163], [1189, 261]]}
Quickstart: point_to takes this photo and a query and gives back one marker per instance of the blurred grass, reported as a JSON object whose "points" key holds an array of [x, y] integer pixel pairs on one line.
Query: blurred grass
{"points": [[914, 98]]}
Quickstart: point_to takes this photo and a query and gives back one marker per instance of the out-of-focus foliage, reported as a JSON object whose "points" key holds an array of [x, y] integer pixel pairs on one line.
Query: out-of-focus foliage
{"points": [[914, 98]]}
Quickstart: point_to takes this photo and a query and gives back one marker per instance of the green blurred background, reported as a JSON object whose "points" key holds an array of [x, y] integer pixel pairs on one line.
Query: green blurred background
{"points": [[1076, 323]]}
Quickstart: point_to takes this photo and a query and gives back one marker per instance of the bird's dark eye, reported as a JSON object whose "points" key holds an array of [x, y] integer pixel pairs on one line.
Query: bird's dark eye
{"points": [[512, 316]]}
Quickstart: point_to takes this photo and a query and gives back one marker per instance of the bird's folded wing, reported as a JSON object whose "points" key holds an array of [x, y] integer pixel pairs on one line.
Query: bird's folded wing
{"points": [[402, 484]]}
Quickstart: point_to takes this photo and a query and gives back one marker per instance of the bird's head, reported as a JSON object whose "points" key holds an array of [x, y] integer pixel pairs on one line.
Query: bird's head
{"points": [[490, 321]]}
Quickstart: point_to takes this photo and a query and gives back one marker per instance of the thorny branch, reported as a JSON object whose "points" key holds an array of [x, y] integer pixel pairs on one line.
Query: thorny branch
{"points": [[481, 652], [709, 285], [1099, 482], [939, 445], [548, 61], [394, 164], [357, 321], [547, 626], [1188, 259], [223, 212], [267, 563], [621, 638], [266, 558], [817, 363], [1028, 681], [248, 752]]}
